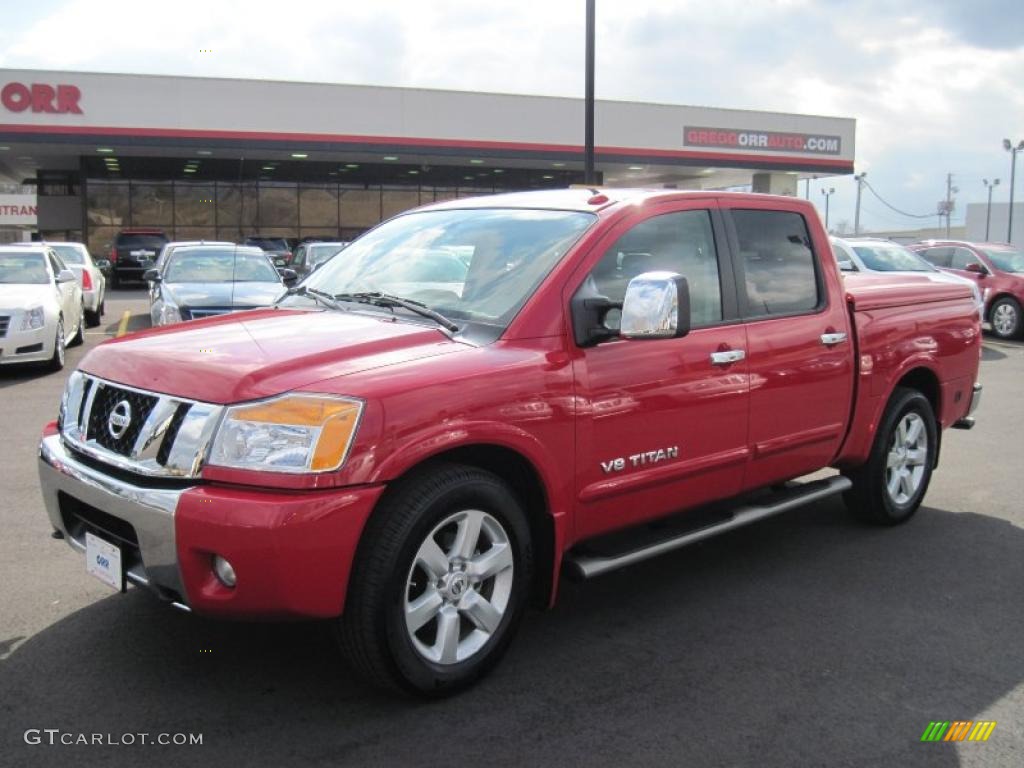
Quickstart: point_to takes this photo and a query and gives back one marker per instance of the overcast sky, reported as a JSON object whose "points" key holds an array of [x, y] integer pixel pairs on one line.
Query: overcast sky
{"points": [[935, 85]]}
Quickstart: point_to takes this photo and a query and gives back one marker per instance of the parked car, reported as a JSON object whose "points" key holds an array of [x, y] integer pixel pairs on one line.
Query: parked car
{"points": [[864, 254], [133, 252], [91, 278], [309, 256], [170, 248], [41, 309], [277, 247], [420, 472], [206, 280], [998, 271]]}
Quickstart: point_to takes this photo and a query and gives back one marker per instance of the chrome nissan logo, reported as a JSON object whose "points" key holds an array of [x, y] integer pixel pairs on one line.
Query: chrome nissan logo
{"points": [[119, 420]]}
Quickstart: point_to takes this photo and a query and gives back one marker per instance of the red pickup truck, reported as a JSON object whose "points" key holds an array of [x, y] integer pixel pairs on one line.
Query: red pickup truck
{"points": [[480, 395]]}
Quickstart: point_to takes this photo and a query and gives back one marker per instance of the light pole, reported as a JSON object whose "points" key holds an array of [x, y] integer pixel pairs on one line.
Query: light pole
{"points": [[859, 178], [988, 209], [1013, 150], [831, 191], [588, 99]]}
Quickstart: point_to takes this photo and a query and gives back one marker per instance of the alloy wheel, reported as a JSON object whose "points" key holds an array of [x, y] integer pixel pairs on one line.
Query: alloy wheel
{"points": [[905, 463]]}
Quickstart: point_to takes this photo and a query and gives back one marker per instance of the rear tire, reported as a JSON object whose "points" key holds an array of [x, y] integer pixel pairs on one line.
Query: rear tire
{"points": [[1005, 318], [889, 487], [439, 582]]}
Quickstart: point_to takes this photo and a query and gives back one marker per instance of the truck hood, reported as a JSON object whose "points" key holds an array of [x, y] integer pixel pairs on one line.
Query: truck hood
{"points": [[261, 353]]}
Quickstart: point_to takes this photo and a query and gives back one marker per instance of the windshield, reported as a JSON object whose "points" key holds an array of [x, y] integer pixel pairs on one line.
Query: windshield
{"points": [[22, 268], [155, 242], [415, 256], [71, 254], [207, 266], [1006, 260], [268, 243], [321, 253], [891, 258]]}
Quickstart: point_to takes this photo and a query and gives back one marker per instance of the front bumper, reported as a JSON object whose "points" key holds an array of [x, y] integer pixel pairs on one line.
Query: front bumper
{"points": [[291, 551], [38, 343]]}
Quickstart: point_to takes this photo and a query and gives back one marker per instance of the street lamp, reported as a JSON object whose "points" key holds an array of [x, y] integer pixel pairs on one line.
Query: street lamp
{"points": [[1013, 150], [831, 191], [988, 209]]}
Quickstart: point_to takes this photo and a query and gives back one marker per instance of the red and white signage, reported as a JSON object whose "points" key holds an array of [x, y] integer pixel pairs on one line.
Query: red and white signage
{"points": [[41, 97], [762, 141]]}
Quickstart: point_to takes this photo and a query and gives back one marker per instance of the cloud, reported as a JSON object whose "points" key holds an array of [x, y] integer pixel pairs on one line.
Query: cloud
{"points": [[934, 84]]}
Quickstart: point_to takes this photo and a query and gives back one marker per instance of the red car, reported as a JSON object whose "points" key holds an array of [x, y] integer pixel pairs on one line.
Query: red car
{"points": [[420, 466], [996, 267]]}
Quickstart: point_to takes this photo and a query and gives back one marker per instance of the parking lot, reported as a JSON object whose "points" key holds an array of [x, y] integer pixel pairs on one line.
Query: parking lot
{"points": [[807, 639]]}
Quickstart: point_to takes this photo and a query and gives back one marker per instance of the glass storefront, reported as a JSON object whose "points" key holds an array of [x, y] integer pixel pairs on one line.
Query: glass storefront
{"points": [[231, 210]]}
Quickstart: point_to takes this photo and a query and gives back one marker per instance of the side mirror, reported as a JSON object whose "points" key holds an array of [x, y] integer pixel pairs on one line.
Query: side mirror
{"points": [[103, 264], [845, 265], [288, 275], [66, 276], [976, 268], [657, 306], [152, 276]]}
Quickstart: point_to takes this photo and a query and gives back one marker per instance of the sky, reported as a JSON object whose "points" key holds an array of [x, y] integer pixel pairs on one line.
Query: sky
{"points": [[935, 85]]}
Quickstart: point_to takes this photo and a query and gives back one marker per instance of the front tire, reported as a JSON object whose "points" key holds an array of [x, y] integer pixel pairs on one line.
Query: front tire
{"points": [[439, 582], [1005, 318], [79, 336], [889, 487], [56, 362]]}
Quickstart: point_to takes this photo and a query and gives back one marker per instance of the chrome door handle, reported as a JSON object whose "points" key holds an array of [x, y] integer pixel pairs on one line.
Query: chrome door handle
{"points": [[727, 357], [828, 339]]}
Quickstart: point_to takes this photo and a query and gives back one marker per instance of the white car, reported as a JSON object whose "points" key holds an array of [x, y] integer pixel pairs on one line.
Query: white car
{"points": [[41, 309], [865, 254], [90, 278], [171, 247]]}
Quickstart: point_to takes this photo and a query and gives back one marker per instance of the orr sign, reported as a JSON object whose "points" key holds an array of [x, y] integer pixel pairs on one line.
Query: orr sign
{"points": [[761, 141], [41, 97]]}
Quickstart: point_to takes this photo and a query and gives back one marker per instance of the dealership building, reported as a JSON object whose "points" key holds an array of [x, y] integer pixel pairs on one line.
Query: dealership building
{"points": [[222, 159]]}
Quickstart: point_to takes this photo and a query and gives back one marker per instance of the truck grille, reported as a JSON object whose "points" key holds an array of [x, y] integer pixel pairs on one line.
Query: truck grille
{"points": [[136, 431], [106, 400], [5, 320]]}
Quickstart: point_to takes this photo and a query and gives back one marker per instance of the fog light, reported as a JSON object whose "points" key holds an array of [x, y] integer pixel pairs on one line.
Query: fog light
{"points": [[224, 571]]}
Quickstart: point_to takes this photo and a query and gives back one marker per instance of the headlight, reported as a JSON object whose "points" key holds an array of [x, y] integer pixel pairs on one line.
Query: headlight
{"points": [[33, 318], [294, 433]]}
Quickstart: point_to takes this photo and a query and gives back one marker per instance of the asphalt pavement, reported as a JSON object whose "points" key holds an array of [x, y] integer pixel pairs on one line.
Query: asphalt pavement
{"points": [[807, 639]]}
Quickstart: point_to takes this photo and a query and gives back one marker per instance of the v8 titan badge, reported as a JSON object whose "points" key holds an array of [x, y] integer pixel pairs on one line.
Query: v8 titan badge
{"points": [[103, 560]]}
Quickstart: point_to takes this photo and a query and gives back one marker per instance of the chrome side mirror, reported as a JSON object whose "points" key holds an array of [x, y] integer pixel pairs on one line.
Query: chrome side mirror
{"points": [[656, 306]]}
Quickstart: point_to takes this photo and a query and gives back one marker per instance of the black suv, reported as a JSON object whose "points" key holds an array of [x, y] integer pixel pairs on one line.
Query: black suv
{"points": [[133, 252], [276, 248]]}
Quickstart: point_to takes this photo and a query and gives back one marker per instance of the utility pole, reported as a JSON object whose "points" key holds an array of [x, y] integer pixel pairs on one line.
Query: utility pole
{"points": [[949, 204], [588, 107], [831, 191], [988, 208], [859, 178]]}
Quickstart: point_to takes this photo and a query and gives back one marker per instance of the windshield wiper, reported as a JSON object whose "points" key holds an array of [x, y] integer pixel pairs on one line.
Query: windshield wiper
{"points": [[320, 297], [378, 299]]}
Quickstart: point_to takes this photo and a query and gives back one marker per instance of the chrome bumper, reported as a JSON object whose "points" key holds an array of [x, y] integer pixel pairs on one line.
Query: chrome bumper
{"points": [[967, 422], [150, 511]]}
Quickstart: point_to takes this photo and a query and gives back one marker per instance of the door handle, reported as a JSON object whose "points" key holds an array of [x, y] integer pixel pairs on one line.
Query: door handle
{"points": [[828, 339], [727, 357]]}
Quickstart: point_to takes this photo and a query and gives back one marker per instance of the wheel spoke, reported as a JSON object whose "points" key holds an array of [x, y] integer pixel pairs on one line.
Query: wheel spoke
{"points": [[446, 646], [916, 457], [480, 611], [467, 536], [892, 460], [916, 425], [433, 558], [893, 483], [905, 485], [490, 563], [423, 609]]}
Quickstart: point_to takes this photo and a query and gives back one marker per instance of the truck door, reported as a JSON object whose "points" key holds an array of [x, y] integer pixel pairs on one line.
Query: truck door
{"points": [[662, 423], [799, 345]]}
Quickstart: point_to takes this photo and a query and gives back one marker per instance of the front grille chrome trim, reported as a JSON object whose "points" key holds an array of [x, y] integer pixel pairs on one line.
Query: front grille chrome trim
{"points": [[186, 454]]}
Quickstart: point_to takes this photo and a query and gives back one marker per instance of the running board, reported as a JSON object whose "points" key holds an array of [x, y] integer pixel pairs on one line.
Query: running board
{"points": [[587, 566]]}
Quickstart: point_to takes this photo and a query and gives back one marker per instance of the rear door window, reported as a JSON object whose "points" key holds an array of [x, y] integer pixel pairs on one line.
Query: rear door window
{"points": [[780, 273], [940, 257]]}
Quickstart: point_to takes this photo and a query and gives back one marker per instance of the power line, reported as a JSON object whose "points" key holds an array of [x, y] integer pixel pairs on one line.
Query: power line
{"points": [[890, 205]]}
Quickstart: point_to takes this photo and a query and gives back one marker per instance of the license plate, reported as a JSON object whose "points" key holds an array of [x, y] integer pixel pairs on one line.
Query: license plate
{"points": [[103, 560], [143, 254]]}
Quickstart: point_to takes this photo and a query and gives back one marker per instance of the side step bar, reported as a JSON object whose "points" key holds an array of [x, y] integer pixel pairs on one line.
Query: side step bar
{"points": [[587, 566]]}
